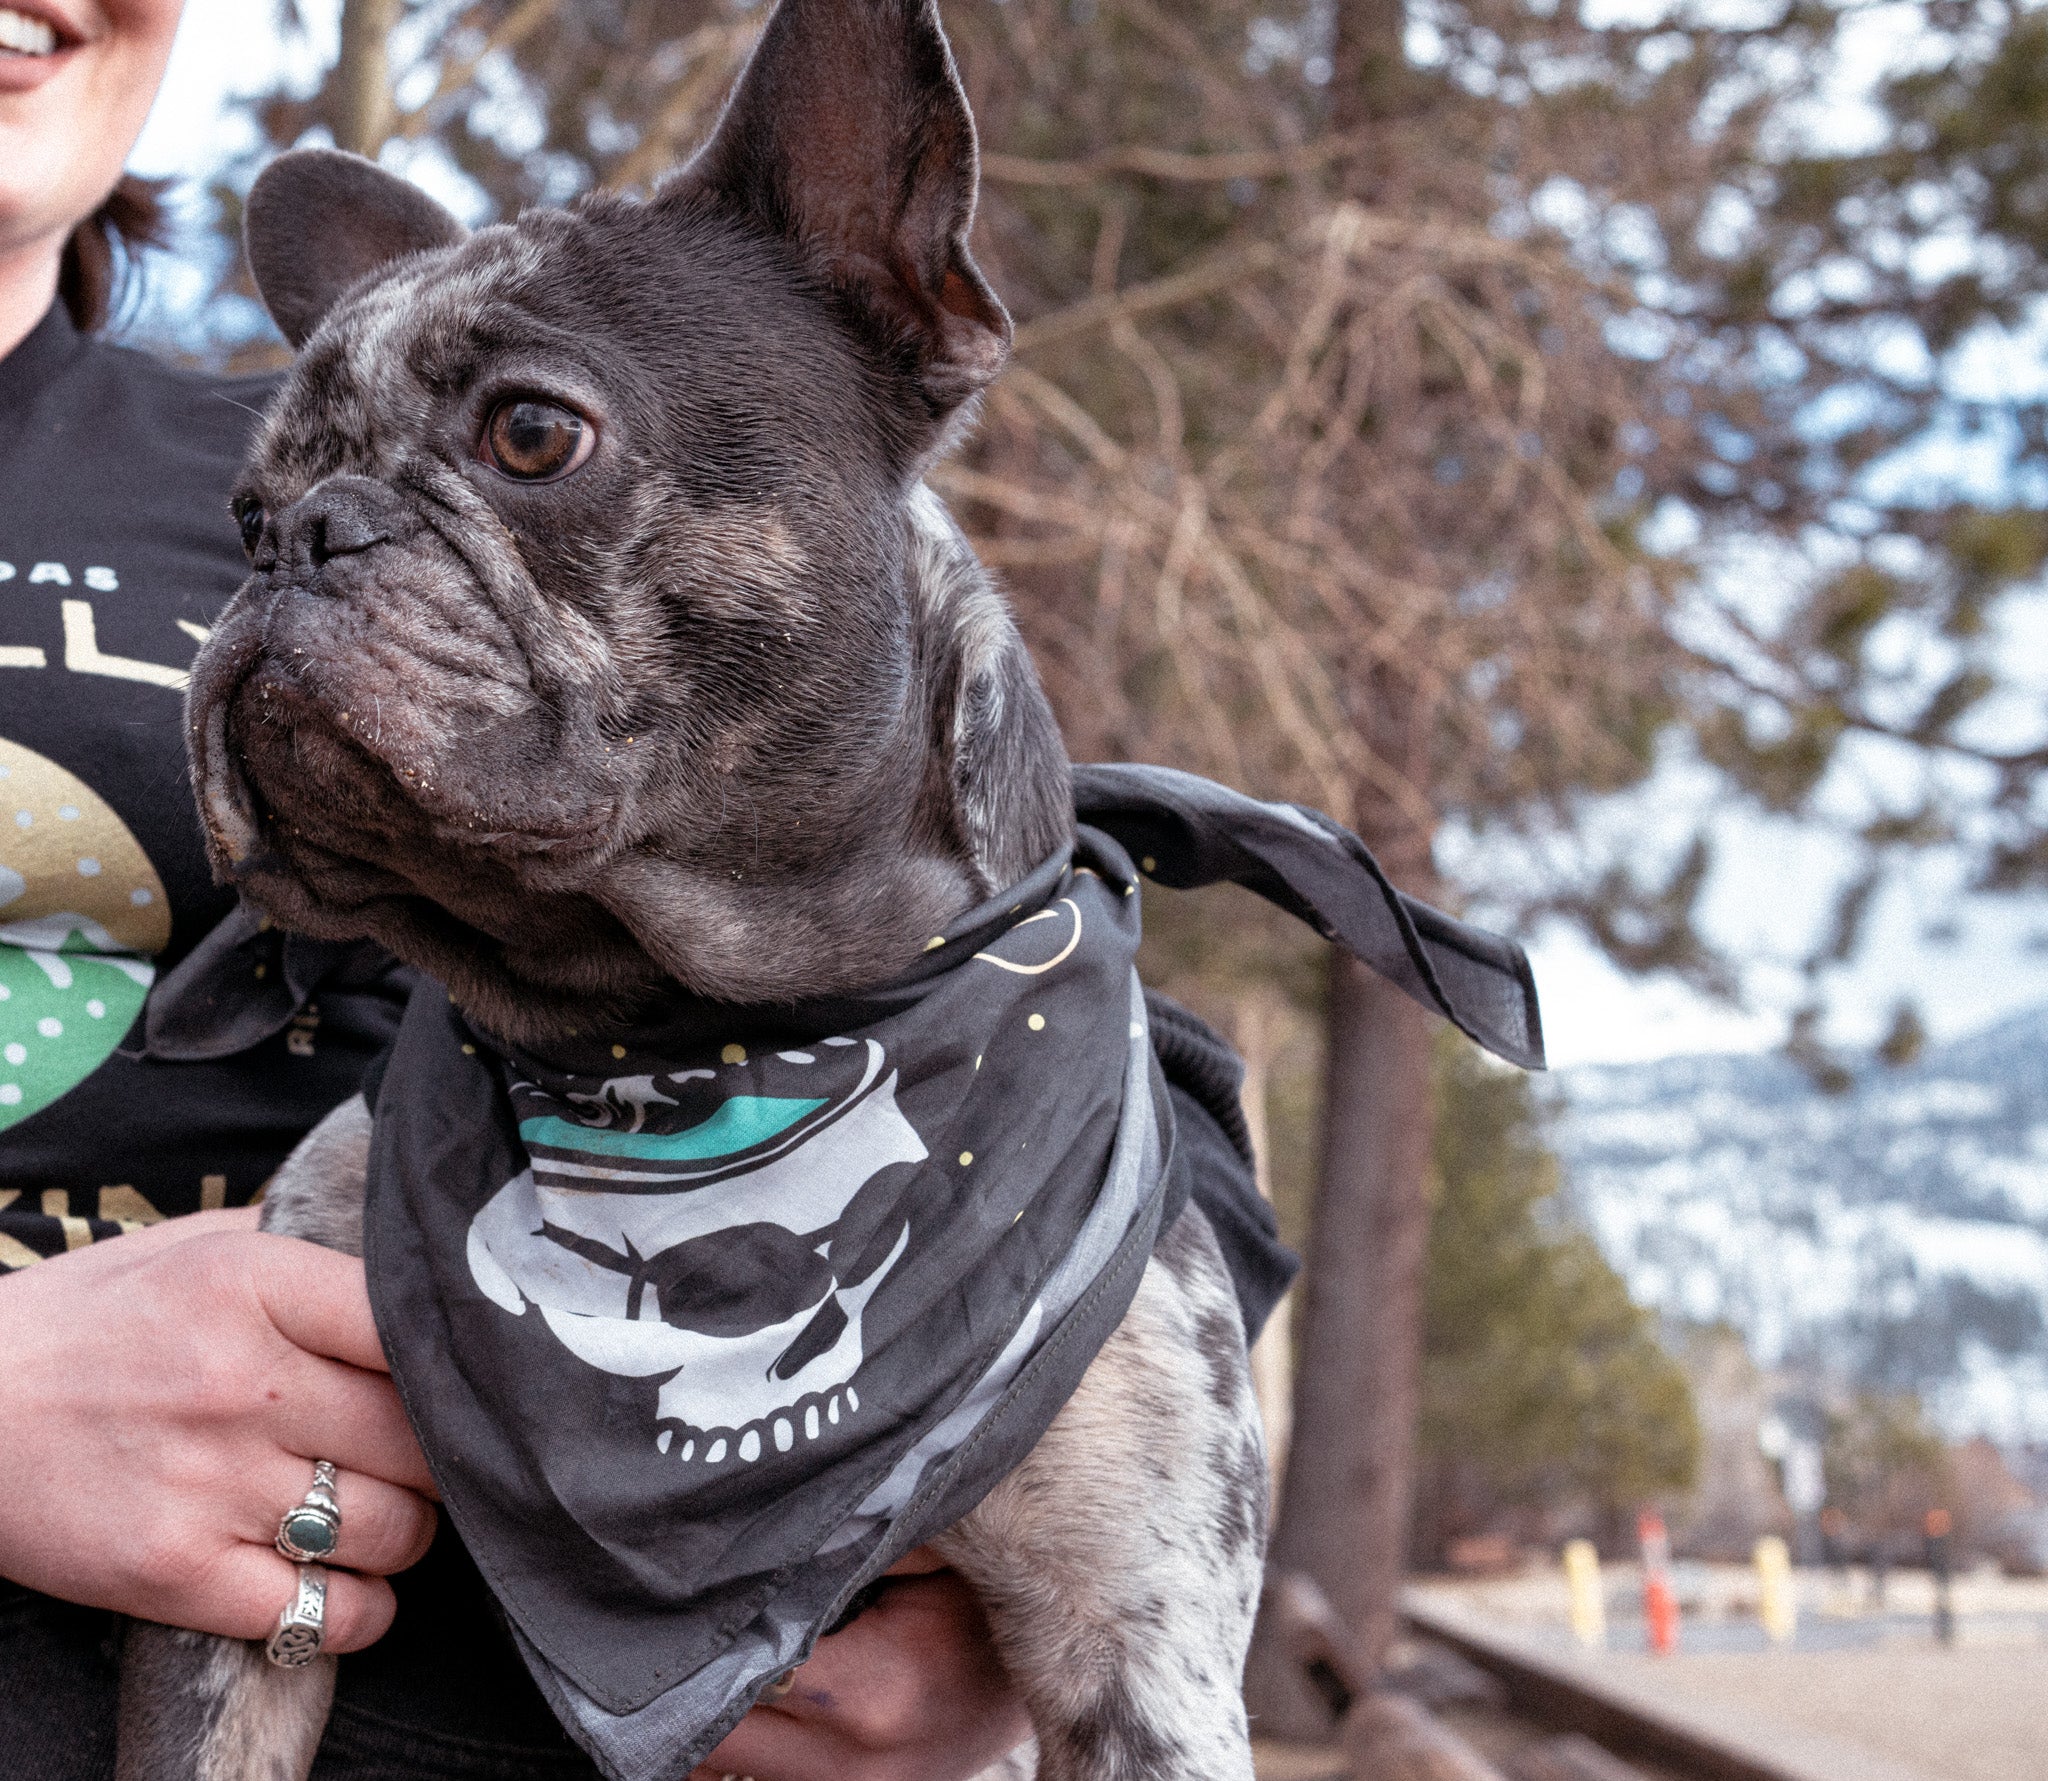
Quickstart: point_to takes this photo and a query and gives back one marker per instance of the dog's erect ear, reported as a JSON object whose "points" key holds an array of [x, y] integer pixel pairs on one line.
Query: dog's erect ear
{"points": [[317, 220], [849, 134]]}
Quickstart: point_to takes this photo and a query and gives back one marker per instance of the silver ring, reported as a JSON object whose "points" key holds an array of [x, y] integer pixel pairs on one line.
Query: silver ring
{"points": [[302, 1626], [309, 1531]]}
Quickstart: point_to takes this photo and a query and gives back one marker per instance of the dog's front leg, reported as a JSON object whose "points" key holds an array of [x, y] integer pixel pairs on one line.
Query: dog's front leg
{"points": [[1120, 1563], [196, 1707], [199, 1708]]}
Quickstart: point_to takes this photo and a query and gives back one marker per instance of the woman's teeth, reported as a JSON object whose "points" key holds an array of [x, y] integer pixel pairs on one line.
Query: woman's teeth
{"points": [[25, 36]]}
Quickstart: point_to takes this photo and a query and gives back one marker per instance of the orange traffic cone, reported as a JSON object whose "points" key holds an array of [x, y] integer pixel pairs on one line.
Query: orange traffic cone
{"points": [[1660, 1604]]}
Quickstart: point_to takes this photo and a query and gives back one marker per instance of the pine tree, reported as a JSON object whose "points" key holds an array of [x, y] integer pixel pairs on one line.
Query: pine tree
{"points": [[1543, 1386]]}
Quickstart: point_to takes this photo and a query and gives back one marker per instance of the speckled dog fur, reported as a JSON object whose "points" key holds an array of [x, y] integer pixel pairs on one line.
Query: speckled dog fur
{"points": [[730, 707]]}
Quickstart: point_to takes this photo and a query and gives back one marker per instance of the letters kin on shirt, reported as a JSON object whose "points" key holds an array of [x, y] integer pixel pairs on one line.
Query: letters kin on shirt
{"points": [[82, 652]]}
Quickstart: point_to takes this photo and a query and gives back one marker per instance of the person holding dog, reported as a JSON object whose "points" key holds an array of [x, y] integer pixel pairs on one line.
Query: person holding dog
{"points": [[162, 1396]]}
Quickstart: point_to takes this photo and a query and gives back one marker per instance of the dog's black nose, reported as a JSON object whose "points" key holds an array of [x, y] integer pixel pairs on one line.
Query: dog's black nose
{"points": [[342, 517]]}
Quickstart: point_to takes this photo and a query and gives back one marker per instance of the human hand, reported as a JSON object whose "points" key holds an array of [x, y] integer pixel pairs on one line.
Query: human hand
{"points": [[164, 1396], [912, 1690]]}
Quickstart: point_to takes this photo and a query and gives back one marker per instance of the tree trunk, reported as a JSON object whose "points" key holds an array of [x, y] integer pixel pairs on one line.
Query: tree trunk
{"points": [[359, 90], [1344, 1505], [1369, 73]]}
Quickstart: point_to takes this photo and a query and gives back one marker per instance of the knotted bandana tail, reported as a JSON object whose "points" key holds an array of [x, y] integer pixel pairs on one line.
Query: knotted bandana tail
{"points": [[703, 1325], [1186, 831]]}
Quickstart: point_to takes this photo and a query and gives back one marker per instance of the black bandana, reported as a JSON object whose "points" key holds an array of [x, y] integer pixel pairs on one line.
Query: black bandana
{"points": [[702, 1326]]}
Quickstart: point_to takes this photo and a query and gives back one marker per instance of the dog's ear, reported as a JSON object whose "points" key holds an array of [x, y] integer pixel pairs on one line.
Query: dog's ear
{"points": [[317, 220], [849, 134]]}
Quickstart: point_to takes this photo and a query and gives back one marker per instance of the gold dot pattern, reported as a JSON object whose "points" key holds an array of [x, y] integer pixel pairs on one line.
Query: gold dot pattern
{"points": [[63, 851], [81, 910]]}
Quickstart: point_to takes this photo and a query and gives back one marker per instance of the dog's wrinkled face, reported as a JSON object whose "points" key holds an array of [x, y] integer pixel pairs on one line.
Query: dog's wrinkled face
{"points": [[600, 635]]}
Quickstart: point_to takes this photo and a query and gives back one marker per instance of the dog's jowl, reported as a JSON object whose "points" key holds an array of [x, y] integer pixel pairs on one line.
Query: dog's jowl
{"points": [[784, 1176]]}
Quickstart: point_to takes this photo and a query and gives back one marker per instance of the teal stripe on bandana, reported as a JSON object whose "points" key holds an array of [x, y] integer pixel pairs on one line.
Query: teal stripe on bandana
{"points": [[740, 1124]]}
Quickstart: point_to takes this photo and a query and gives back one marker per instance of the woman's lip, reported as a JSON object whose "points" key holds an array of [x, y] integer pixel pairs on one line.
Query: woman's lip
{"points": [[23, 74]]}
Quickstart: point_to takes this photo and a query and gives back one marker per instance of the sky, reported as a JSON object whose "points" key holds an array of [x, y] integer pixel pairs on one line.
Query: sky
{"points": [[1997, 966], [1965, 964], [224, 48]]}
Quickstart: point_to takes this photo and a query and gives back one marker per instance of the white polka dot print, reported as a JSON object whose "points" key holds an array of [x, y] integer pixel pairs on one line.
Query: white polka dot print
{"points": [[69, 863]]}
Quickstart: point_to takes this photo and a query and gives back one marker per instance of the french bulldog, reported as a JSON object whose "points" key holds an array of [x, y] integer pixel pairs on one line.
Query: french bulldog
{"points": [[602, 639]]}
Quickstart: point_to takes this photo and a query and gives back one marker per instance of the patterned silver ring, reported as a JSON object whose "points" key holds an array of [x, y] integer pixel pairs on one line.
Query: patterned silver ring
{"points": [[302, 1626], [310, 1531]]}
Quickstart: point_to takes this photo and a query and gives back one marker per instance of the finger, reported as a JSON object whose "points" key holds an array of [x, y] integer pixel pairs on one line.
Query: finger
{"points": [[351, 1418], [168, 1232], [918, 1672], [359, 1611], [869, 1680], [383, 1527], [252, 1585], [765, 1746], [952, 1739], [317, 1300]]}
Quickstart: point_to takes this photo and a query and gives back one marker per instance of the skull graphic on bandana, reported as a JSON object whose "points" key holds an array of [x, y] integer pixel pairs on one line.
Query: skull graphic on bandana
{"points": [[694, 1223]]}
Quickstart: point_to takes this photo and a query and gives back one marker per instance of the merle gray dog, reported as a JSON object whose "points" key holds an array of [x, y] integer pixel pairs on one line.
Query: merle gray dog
{"points": [[603, 638]]}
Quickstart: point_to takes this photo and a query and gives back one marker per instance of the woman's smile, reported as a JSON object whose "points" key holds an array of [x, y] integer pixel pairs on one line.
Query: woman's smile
{"points": [[35, 42]]}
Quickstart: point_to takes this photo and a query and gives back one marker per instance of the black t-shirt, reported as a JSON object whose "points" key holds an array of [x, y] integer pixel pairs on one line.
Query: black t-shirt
{"points": [[116, 553]]}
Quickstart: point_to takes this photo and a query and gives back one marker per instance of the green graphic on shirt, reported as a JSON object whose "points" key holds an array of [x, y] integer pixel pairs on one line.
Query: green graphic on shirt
{"points": [[81, 911]]}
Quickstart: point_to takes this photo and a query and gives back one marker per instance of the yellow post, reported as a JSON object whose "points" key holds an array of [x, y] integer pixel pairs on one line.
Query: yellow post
{"points": [[1777, 1606], [1589, 1602]]}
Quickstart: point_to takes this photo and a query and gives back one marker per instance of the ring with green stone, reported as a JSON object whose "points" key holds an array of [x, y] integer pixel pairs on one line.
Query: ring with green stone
{"points": [[311, 1530]]}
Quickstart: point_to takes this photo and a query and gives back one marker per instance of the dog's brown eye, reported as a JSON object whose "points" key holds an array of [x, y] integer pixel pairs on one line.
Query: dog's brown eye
{"points": [[534, 441]]}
